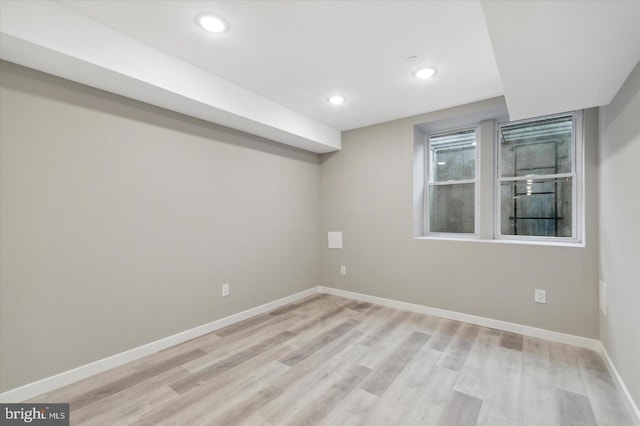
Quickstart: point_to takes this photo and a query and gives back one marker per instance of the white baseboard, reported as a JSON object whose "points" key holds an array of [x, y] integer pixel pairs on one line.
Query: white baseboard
{"points": [[526, 330], [554, 336], [34, 389], [40, 387], [631, 405]]}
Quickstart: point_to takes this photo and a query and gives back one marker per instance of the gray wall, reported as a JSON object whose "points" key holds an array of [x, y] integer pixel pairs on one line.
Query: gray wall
{"points": [[620, 230], [367, 192], [120, 221]]}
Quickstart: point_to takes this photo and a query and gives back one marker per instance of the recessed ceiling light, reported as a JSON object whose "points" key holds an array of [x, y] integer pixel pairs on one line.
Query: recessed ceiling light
{"points": [[337, 100], [212, 23], [425, 73]]}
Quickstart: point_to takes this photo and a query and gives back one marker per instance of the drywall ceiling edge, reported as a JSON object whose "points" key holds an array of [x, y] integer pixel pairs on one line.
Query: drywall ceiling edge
{"points": [[556, 56], [50, 38]]}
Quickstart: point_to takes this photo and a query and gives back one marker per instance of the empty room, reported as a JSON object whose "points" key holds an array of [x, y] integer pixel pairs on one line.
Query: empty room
{"points": [[320, 212]]}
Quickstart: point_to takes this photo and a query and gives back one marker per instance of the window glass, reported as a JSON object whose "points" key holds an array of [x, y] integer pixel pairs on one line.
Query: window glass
{"points": [[453, 156], [536, 177], [452, 186], [452, 208], [540, 147], [539, 207]]}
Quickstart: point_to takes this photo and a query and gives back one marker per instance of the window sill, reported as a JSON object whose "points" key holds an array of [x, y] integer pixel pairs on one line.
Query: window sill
{"points": [[503, 241]]}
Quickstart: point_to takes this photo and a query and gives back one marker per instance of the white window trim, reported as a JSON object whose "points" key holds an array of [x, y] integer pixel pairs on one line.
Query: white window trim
{"points": [[428, 184], [577, 182]]}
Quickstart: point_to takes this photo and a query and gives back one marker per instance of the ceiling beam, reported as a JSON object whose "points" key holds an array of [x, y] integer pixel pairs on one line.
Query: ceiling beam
{"points": [[559, 56], [51, 38]]}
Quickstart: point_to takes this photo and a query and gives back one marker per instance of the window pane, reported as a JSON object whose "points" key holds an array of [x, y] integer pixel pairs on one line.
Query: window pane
{"points": [[453, 156], [452, 208], [540, 207], [537, 147]]}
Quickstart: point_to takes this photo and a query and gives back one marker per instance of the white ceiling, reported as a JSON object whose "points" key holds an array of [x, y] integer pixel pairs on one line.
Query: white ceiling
{"points": [[298, 53], [273, 71], [557, 56]]}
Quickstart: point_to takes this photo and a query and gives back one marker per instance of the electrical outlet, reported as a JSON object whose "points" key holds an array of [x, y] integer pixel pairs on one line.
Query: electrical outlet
{"points": [[225, 289], [603, 297], [540, 296], [343, 270]]}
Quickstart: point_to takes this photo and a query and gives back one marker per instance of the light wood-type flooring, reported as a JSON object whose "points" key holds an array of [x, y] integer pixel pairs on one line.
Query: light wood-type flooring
{"points": [[326, 360]]}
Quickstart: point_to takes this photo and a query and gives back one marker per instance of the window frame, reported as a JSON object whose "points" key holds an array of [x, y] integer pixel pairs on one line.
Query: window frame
{"points": [[576, 174], [428, 184]]}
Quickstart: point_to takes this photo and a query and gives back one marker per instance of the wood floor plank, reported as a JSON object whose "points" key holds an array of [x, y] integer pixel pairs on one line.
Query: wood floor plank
{"points": [[304, 391], [220, 393], [386, 328], [536, 405], [354, 408], [261, 320], [458, 349], [440, 340], [428, 324], [310, 363], [296, 305], [125, 406], [564, 369], [322, 406], [492, 374], [590, 359], [433, 394], [361, 306], [283, 310], [308, 378], [319, 342], [511, 341], [416, 395], [322, 304], [387, 372], [320, 363], [382, 348], [462, 410], [238, 414], [258, 321], [116, 386], [80, 388], [194, 380], [606, 403], [574, 409], [242, 340], [322, 320], [196, 343]]}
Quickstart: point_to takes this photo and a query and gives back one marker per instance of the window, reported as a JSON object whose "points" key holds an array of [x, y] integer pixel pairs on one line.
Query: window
{"points": [[451, 188], [478, 176], [537, 179]]}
